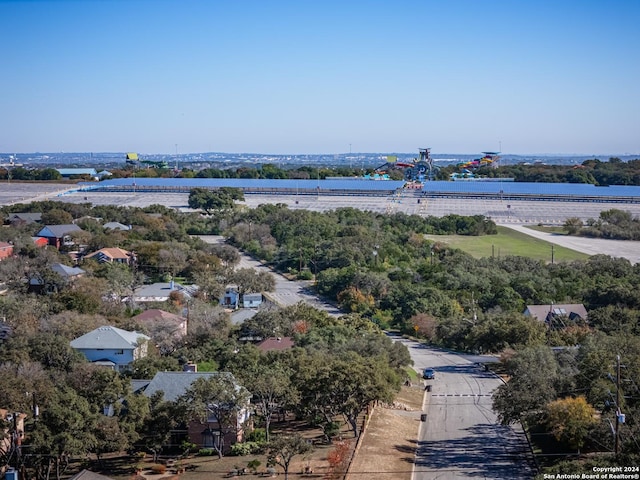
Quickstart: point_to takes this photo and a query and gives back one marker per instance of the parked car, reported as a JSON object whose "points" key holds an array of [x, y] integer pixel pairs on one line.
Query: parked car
{"points": [[428, 374]]}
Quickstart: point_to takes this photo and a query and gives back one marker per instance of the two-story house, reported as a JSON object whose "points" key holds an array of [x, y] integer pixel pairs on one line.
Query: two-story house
{"points": [[112, 347], [207, 434], [59, 235], [112, 255]]}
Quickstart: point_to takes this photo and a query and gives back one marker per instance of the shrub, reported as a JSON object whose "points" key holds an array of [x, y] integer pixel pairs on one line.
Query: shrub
{"points": [[158, 468], [305, 275], [253, 465], [257, 435], [246, 448], [205, 452], [189, 447]]}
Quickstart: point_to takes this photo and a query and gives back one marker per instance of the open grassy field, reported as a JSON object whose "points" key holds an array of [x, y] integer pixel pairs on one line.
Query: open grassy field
{"points": [[509, 242]]}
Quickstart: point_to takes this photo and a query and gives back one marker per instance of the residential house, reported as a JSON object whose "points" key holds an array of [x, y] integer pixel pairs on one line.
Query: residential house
{"points": [[46, 284], [66, 272], [40, 242], [59, 235], [251, 300], [116, 226], [155, 319], [159, 292], [175, 384], [233, 299], [549, 313], [112, 255], [112, 347], [24, 218], [275, 343], [6, 250]]}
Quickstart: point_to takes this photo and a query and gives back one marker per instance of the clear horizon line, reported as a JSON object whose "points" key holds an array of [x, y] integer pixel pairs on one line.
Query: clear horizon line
{"points": [[626, 154]]}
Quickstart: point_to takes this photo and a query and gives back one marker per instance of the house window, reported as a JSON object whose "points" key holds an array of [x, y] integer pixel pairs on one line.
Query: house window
{"points": [[120, 352], [211, 439]]}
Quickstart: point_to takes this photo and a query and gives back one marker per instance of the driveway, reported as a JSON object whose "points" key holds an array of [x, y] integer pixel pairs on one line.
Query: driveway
{"points": [[287, 292], [461, 437]]}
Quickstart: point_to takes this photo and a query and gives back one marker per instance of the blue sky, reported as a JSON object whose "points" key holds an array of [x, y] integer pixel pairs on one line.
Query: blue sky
{"points": [[276, 76]]}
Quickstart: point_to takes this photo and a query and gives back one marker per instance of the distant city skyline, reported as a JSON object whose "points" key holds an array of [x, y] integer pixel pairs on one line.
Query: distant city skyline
{"points": [[291, 78]]}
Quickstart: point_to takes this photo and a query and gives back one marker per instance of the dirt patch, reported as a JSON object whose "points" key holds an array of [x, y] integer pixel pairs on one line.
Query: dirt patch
{"points": [[387, 448]]}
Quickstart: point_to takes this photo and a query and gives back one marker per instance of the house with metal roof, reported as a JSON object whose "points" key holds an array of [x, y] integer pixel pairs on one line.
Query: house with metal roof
{"points": [[58, 235], [67, 272], [112, 347], [71, 172]]}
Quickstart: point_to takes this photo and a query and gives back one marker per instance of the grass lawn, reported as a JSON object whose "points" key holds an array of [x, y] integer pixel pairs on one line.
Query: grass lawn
{"points": [[549, 229], [508, 242]]}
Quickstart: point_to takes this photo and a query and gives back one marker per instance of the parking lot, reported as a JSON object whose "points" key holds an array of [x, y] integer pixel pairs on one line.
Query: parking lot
{"points": [[513, 212]]}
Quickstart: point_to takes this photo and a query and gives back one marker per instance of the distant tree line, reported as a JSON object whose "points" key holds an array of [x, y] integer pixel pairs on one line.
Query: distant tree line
{"points": [[596, 172], [29, 174]]}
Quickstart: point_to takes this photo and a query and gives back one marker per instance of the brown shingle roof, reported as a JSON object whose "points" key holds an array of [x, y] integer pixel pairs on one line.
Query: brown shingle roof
{"points": [[275, 343]]}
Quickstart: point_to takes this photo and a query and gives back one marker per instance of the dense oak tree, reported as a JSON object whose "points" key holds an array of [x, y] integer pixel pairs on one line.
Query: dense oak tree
{"points": [[219, 397], [271, 387], [249, 280], [532, 386], [66, 428], [214, 200]]}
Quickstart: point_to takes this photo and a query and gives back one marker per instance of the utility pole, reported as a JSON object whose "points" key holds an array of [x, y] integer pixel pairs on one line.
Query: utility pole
{"points": [[552, 252]]}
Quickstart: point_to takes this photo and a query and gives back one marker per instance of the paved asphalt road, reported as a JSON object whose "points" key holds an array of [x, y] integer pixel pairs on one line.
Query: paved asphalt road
{"points": [[287, 292], [591, 246], [461, 437]]}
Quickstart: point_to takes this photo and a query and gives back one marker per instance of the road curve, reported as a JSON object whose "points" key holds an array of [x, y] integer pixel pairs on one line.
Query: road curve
{"points": [[628, 249], [461, 437]]}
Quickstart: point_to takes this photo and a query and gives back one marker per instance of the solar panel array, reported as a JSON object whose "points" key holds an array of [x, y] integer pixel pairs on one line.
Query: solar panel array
{"points": [[374, 186], [252, 183], [524, 188]]}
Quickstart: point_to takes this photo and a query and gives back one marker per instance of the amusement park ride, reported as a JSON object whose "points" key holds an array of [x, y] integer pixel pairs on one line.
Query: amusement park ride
{"points": [[490, 159], [419, 170], [422, 168]]}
